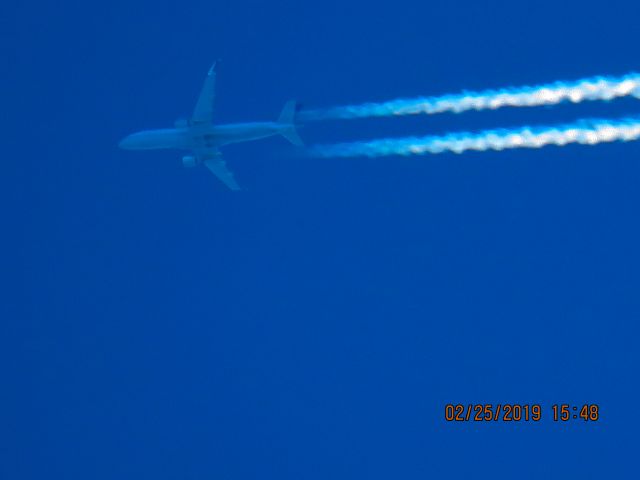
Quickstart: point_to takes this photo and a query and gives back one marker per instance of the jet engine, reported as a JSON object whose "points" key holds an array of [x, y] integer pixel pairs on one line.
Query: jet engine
{"points": [[189, 161]]}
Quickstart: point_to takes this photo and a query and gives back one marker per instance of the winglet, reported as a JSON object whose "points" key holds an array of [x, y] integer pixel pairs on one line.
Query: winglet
{"points": [[212, 70]]}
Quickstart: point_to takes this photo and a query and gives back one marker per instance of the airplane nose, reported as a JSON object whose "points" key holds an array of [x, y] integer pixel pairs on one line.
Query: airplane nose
{"points": [[125, 143], [152, 140]]}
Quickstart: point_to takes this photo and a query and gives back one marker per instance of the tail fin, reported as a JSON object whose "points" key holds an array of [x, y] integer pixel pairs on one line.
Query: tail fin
{"points": [[287, 119]]}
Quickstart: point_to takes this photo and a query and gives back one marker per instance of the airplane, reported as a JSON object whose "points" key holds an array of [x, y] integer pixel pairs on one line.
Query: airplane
{"points": [[204, 139]]}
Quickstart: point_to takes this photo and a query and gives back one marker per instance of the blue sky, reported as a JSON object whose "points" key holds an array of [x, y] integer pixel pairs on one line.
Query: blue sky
{"points": [[314, 325]]}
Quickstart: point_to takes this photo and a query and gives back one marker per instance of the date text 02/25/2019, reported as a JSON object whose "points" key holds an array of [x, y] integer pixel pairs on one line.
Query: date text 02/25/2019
{"points": [[516, 412]]}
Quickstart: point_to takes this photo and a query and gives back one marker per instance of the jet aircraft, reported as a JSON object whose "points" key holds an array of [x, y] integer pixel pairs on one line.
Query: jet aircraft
{"points": [[204, 139]]}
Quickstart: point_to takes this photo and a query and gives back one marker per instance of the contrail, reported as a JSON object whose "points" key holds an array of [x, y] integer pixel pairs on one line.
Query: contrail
{"points": [[587, 132], [589, 89]]}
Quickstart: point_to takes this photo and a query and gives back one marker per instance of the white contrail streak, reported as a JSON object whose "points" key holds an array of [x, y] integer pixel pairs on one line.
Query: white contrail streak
{"points": [[587, 132], [589, 89]]}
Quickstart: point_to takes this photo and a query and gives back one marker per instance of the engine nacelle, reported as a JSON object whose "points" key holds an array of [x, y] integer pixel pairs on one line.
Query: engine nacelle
{"points": [[189, 161]]}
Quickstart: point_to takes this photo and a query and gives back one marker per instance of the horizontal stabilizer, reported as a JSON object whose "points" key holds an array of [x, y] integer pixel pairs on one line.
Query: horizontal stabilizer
{"points": [[288, 120], [288, 114], [291, 134]]}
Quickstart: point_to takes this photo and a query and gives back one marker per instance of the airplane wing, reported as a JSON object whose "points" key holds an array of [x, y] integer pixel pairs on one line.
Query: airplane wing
{"points": [[203, 113], [218, 167]]}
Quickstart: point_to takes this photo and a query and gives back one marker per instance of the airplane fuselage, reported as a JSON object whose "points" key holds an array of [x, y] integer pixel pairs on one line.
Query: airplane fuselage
{"points": [[203, 139], [199, 136]]}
